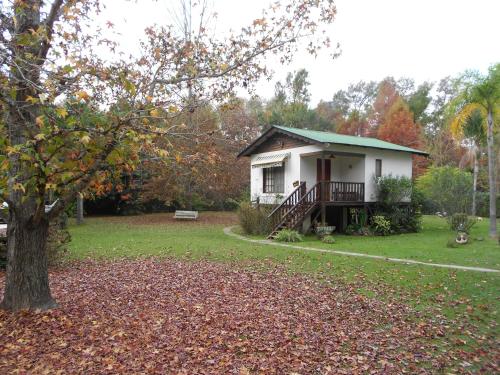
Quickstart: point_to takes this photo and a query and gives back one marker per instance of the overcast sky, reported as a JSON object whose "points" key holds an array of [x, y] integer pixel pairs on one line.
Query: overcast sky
{"points": [[424, 39]]}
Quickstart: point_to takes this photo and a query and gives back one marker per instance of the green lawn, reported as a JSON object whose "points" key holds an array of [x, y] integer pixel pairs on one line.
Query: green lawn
{"points": [[158, 235], [427, 246], [468, 297]]}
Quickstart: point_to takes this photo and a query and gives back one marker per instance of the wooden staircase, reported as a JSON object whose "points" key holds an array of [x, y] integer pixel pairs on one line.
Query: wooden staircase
{"points": [[294, 209]]}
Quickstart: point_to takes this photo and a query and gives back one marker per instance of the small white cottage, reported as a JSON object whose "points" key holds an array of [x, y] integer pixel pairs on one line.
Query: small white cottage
{"points": [[308, 173]]}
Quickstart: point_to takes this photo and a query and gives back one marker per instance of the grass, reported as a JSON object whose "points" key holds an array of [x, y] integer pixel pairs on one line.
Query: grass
{"points": [[466, 296], [427, 246]]}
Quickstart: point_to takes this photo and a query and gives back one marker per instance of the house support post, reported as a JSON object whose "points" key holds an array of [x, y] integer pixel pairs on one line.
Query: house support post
{"points": [[323, 190]]}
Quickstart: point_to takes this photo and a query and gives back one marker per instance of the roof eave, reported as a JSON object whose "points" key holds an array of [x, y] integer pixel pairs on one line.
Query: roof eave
{"points": [[247, 151]]}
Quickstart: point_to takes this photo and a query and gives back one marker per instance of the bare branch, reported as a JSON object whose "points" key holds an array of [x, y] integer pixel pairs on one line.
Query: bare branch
{"points": [[49, 25]]}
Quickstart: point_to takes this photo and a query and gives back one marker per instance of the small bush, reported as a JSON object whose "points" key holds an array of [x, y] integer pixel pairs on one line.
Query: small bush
{"points": [[446, 189], [399, 202], [452, 243], [392, 190], [288, 235], [254, 220], [381, 225], [461, 222], [328, 239], [404, 219], [357, 230], [352, 229]]}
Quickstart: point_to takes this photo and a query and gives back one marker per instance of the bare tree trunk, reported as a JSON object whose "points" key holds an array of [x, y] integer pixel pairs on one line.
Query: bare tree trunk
{"points": [[27, 281], [79, 208], [492, 177], [474, 183]]}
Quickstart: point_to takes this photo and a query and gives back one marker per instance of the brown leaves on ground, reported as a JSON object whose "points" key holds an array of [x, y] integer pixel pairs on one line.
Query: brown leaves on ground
{"points": [[178, 317]]}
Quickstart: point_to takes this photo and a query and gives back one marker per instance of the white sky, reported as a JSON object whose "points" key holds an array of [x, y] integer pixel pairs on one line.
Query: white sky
{"points": [[423, 39]]}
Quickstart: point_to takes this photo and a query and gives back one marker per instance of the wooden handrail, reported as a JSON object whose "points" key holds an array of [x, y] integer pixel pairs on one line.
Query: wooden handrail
{"points": [[345, 191], [291, 200], [292, 211], [310, 198]]}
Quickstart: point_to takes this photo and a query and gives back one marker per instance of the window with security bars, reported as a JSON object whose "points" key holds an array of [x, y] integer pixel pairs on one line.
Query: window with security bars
{"points": [[274, 179]]}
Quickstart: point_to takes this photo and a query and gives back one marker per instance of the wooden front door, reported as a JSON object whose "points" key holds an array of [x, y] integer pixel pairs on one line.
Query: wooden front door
{"points": [[319, 170]]}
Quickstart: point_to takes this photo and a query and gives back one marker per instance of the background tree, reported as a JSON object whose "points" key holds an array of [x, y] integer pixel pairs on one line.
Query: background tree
{"points": [[328, 117], [418, 103], [53, 83], [299, 86], [448, 189], [290, 105], [469, 127], [398, 127], [387, 95], [484, 91], [354, 106], [207, 162]]}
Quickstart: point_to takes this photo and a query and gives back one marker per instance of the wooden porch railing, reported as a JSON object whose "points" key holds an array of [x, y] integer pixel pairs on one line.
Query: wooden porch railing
{"points": [[295, 196], [293, 210], [295, 215], [344, 191]]}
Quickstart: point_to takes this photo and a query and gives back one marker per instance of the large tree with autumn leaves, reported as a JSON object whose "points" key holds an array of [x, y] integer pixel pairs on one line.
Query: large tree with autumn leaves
{"points": [[69, 115]]}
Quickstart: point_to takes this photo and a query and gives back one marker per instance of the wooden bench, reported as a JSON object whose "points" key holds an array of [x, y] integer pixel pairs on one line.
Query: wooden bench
{"points": [[186, 215]]}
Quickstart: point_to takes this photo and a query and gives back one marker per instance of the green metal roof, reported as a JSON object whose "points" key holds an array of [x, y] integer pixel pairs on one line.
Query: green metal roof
{"points": [[327, 137]]}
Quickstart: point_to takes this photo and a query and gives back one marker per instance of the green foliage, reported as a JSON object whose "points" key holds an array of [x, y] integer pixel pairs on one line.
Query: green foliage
{"points": [[483, 204], [473, 127], [452, 243], [357, 229], [447, 188], [403, 217], [461, 222], [328, 239], [288, 235], [352, 229], [381, 225], [419, 101], [358, 216], [393, 189], [290, 105], [254, 220]]}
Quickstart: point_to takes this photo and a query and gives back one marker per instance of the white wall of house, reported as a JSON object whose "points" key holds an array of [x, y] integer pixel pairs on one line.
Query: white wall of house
{"points": [[393, 162], [301, 166], [292, 173], [308, 170], [348, 169]]}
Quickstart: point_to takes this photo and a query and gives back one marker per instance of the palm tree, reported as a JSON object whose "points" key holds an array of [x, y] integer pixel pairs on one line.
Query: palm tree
{"points": [[486, 93], [469, 125], [482, 93]]}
